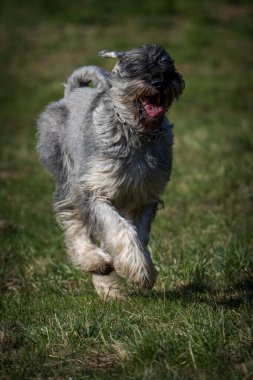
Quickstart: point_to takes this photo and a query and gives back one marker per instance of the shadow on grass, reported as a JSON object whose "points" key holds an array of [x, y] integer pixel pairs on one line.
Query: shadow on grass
{"points": [[230, 297]]}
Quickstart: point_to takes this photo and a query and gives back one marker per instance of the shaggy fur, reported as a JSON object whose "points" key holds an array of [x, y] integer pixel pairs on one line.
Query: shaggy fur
{"points": [[109, 149]]}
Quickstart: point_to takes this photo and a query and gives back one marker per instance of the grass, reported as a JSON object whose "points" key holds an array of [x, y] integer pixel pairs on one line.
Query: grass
{"points": [[197, 323]]}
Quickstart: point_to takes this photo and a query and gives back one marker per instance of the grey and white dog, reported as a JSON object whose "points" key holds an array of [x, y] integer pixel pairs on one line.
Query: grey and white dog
{"points": [[109, 148]]}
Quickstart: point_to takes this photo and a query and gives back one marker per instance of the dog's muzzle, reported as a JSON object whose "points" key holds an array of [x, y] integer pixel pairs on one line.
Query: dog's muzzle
{"points": [[155, 105]]}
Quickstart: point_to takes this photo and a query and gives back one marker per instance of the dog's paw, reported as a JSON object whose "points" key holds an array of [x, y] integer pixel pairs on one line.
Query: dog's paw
{"points": [[94, 260], [98, 263], [102, 268], [108, 286], [137, 268], [145, 276]]}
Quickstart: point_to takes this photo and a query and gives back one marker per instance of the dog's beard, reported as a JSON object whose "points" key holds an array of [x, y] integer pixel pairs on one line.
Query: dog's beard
{"points": [[146, 105]]}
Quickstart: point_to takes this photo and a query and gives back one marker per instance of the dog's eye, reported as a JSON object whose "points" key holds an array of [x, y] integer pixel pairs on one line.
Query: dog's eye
{"points": [[166, 62]]}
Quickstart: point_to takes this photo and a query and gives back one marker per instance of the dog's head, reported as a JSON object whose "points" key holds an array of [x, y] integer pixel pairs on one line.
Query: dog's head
{"points": [[144, 84]]}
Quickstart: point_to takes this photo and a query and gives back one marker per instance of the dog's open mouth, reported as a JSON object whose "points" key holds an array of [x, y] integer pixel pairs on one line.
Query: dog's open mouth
{"points": [[153, 106]]}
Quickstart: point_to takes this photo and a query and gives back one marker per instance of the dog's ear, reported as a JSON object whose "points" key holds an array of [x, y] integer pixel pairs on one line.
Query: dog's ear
{"points": [[111, 54]]}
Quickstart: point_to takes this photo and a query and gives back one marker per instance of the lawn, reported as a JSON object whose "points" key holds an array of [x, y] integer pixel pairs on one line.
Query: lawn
{"points": [[197, 323]]}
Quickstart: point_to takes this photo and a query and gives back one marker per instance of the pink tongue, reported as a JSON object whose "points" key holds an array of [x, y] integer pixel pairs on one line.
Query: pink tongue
{"points": [[153, 111]]}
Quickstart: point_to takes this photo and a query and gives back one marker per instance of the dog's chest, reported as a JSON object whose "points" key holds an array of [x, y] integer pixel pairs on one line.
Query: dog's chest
{"points": [[135, 180], [138, 182]]}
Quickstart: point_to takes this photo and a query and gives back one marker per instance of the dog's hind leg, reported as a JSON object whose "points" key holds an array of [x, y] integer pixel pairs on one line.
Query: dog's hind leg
{"points": [[92, 259], [108, 286], [89, 257]]}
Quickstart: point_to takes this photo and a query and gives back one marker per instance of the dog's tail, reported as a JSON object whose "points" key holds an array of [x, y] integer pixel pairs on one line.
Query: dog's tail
{"points": [[83, 77]]}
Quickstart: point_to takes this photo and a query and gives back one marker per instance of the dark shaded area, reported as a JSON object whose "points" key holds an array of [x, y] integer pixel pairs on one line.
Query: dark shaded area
{"points": [[232, 297]]}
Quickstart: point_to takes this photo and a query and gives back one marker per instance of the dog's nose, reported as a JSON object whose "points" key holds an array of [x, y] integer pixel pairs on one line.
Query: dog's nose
{"points": [[158, 83]]}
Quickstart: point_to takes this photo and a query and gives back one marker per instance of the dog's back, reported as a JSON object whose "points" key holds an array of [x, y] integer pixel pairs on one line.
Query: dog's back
{"points": [[68, 113]]}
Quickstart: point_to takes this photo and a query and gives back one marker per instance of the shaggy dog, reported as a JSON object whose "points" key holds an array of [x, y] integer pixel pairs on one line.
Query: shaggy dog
{"points": [[109, 149]]}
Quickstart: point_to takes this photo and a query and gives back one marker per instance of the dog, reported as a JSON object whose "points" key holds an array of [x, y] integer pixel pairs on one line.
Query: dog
{"points": [[108, 145]]}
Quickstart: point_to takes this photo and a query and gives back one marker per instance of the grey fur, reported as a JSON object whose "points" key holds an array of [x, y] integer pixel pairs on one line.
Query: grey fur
{"points": [[111, 162]]}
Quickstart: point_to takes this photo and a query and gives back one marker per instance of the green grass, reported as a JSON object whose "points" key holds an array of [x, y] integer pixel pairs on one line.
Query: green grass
{"points": [[197, 323]]}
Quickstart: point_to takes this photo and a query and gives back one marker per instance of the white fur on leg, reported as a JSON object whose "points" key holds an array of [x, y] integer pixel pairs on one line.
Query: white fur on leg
{"points": [[83, 252], [133, 260], [108, 286], [130, 258], [87, 255]]}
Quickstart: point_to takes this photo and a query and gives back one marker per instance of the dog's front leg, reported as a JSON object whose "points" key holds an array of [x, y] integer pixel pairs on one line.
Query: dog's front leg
{"points": [[143, 221], [83, 252], [120, 237]]}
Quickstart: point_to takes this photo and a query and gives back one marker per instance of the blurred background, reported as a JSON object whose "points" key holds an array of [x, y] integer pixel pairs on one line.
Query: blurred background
{"points": [[204, 233]]}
